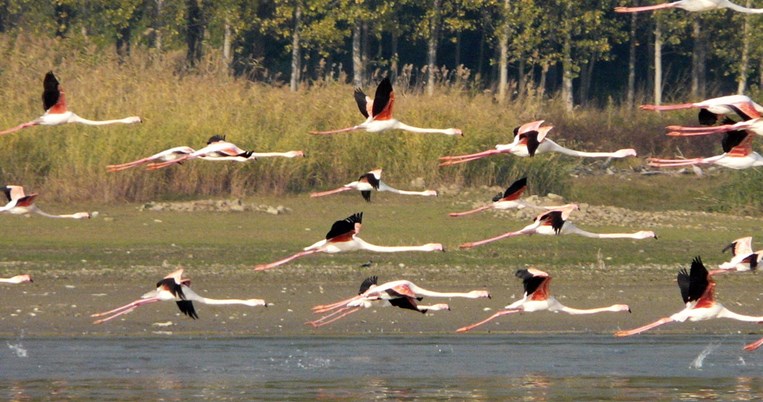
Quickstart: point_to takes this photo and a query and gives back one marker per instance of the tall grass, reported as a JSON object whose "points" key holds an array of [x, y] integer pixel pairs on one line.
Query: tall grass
{"points": [[181, 108]]}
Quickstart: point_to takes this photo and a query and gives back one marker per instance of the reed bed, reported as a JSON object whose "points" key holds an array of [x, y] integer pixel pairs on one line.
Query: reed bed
{"points": [[186, 108]]}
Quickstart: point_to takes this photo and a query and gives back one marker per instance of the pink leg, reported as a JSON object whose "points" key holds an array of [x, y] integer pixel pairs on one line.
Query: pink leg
{"points": [[327, 307], [644, 8], [452, 160], [473, 211], [661, 107], [19, 127], [492, 317], [329, 192], [753, 346], [341, 130], [263, 267], [492, 239], [160, 165], [655, 162], [647, 327], [123, 166], [341, 313], [123, 310]]}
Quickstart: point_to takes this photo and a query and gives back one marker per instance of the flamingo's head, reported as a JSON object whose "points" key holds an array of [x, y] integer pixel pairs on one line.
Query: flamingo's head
{"points": [[622, 153], [133, 119], [620, 307], [644, 234], [21, 279], [478, 294], [454, 131]]}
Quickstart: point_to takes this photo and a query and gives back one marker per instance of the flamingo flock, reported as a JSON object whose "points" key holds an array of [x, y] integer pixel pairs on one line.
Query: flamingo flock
{"points": [[530, 140]]}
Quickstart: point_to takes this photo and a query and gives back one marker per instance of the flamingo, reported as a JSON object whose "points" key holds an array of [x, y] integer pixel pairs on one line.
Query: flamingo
{"points": [[697, 290], [174, 288], [24, 278], [508, 199], [752, 126], [692, 6], [19, 204], [56, 113], [343, 237], [400, 293], [742, 257], [218, 149], [738, 154], [372, 181], [378, 114], [712, 110], [555, 222], [530, 139], [163, 156], [537, 297]]}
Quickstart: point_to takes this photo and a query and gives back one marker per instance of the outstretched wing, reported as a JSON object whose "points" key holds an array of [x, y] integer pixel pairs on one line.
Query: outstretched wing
{"points": [[383, 100], [531, 281], [732, 139], [515, 190], [694, 283], [349, 225], [360, 99], [367, 283], [51, 92], [186, 307]]}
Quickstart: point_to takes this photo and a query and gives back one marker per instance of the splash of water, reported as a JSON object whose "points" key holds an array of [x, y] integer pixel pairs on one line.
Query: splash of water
{"points": [[697, 363], [17, 348]]}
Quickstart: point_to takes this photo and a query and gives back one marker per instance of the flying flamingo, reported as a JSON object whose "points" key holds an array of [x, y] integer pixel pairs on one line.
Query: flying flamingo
{"points": [[19, 204], [343, 237], [692, 6], [218, 149], [372, 181], [753, 126], [505, 200], [530, 139], [164, 156], [738, 154], [697, 290], [174, 288], [537, 297], [555, 222], [401, 293], [713, 110], [378, 114], [742, 257], [56, 113], [17, 279]]}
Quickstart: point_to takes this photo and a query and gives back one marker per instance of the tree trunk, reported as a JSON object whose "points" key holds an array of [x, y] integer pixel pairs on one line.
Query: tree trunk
{"points": [[432, 46], [567, 73], [364, 49], [543, 74], [124, 35], [744, 63], [503, 60], [357, 58], [393, 67], [457, 57], [698, 61], [195, 26], [522, 76], [295, 51], [657, 63], [63, 15], [155, 39], [227, 41], [630, 96], [585, 80]]}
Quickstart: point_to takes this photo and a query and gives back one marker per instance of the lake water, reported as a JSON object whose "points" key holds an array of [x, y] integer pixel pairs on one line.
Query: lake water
{"points": [[474, 366]]}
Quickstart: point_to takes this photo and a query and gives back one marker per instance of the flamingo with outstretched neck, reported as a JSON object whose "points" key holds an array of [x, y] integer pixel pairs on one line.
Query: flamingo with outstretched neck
{"points": [[378, 114], [529, 140], [692, 6], [56, 112], [15, 280], [368, 182], [698, 293], [174, 287], [555, 222], [400, 293], [713, 110], [537, 297], [343, 237], [19, 203]]}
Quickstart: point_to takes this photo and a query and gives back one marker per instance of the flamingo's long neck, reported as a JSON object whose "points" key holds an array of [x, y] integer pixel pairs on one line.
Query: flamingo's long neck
{"points": [[724, 313], [741, 9], [77, 215], [426, 193], [575, 311], [126, 120], [396, 249], [289, 154], [550, 146], [570, 228], [447, 131]]}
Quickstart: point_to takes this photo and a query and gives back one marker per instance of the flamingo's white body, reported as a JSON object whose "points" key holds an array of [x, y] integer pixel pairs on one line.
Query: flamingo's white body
{"points": [[743, 259], [167, 155], [537, 297], [378, 114], [698, 293], [174, 288], [372, 181], [692, 6], [15, 280], [400, 293], [56, 113], [21, 204], [555, 222], [343, 237], [529, 140]]}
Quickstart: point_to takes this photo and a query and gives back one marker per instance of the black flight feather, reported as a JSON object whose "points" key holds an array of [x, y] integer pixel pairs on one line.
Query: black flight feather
{"points": [[382, 96], [51, 92], [360, 99], [531, 282], [344, 226], [367, 283]]}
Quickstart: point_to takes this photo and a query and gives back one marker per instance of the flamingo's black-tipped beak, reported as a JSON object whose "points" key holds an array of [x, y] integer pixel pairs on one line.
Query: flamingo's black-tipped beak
{"points": [[629, 310]]}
